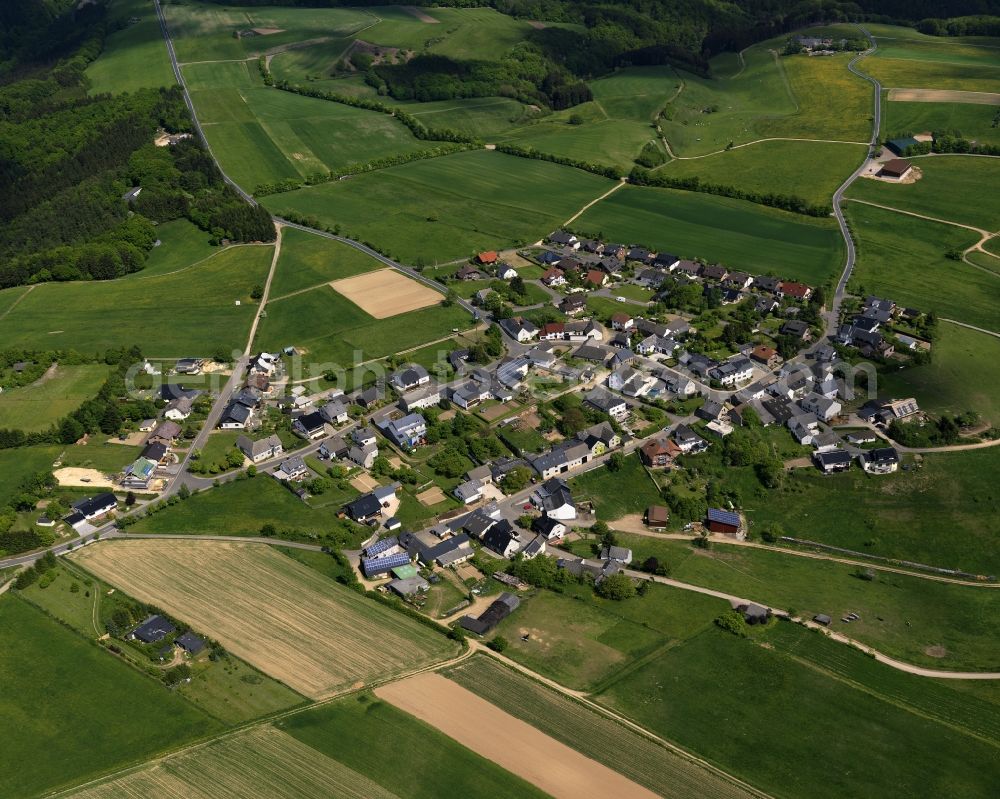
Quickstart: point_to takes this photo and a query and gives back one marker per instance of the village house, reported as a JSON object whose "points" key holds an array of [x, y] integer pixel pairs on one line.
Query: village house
{"points": [[165, 433], [409, 378], [310, 426], [519, 328], [407, 432], [622, 321], [469, 272], [292, 469], [797, 329], [179, 409], [725, 522], [573, 304], [261, 450], [734, 371], [561, 458], [334, 412], [688, 440], [797, 291], [600, 438], [606, 402], [830, 461], [236, 416], [884, 460], [659, 453], [595, 278], [766, 356], [486, 258], [138, 473], [554, 499], [425, 396], [564, 239]]}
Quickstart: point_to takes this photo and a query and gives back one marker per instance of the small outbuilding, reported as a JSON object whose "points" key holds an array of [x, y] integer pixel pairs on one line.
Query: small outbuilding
{"points": [[896, 169]]}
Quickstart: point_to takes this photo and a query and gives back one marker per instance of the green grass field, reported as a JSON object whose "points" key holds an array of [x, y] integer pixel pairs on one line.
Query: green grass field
{"points": [[35, 407], [332, 331], [167, 315], [901, 616], [901, 515], [984, 261], [972, 120], [228, 689], [205, 31], [182, 246], [17, 465], [582, 641], [405, 756], [903, 257], [918, 73], [308, 260], [614, 494], [240, 508], [799, 97], [640, 759], [943, 190], [44, 667], [262, 135], [965, 365], [616, 123], [744, 708], [737, 233], [446, 208], [132, 58], [809, 170]]}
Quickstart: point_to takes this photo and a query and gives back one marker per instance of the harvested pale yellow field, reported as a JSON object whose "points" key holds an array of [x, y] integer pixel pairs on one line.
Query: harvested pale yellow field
{"points": [[386, 292], [943, 96], [509, 742], [289, 621], [263, 762]]}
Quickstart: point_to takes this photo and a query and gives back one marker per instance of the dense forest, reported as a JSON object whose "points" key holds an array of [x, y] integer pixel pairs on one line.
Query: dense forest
{"points": [[68, 159]]}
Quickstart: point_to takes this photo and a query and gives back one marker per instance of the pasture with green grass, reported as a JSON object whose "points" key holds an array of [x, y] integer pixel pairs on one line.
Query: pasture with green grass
{"points": [[60, 391], [944, 190], [971, 120], [446, 208], [908, 59], [736, 233], [770, 97], [903, 257], [900, 515], [614, 494], [902, 616], [603, 739], [583, 641], [613, 127], [241, 508], [168, 315], [262, 135], [365, 733], [332, 331], [743, 707], [778, 167], [962, 374], [82, 732], [134, 57], [206, 31], [308, 260], [182, 246], [17, 465]]}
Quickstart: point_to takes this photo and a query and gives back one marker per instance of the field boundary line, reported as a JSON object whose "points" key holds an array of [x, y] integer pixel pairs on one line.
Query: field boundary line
{"points": [[867, 689], [762, 141], [984, 233], [626, 722], [14, 304], [621, 182], [988, 333]]}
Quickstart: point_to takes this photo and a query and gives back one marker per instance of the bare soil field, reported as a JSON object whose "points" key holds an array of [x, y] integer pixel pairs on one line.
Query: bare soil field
{"points": [[507, 741], [75, 476], [286, 619], [261, 762], [385, 292], [432, 496], [943, 96], [364, 482]]}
